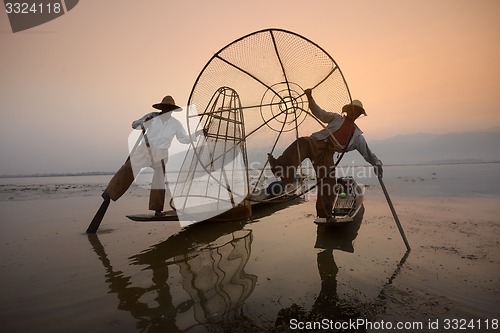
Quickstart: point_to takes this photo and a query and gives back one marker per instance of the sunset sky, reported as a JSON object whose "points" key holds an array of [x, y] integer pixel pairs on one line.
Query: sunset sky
{"points": [[70, 88]]}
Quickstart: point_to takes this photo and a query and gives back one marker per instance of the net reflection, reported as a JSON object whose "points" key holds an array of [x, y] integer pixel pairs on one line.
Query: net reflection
{"points": [[197, 279], [215, 278]]}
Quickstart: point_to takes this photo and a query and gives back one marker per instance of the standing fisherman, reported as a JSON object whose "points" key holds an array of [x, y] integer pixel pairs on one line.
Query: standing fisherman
{"points": [[159, 129], [340, 134]]}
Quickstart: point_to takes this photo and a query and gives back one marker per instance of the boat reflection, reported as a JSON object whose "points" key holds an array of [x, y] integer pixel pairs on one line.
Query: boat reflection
{"points": [[214, 285], [328, 304]]}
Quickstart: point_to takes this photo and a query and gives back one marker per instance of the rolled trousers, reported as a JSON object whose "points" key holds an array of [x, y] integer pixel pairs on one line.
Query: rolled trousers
{"points": [[124, 177], [320, 152]]}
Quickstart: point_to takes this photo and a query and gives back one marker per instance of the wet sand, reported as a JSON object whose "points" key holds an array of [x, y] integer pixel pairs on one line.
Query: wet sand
{"points": [[259, 275]]}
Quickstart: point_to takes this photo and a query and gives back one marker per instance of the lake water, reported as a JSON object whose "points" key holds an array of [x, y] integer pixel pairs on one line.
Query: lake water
{"points": [[439, 180], [254, 275], [424, 180]]}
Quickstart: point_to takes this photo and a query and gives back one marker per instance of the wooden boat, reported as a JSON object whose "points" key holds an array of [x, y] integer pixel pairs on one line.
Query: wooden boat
{"points": [[347, 203]]}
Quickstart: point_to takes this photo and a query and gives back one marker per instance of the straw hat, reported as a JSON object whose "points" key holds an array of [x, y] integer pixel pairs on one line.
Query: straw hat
{"points": [[167, 104], [355, 105]]}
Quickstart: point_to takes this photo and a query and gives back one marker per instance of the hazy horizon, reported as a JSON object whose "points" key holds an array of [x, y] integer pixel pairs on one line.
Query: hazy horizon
{"points": [[410, 149]]}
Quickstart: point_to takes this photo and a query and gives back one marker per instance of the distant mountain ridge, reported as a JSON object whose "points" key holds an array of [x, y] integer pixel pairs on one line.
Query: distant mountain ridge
{"points": [[423, 148], [417, 148]]}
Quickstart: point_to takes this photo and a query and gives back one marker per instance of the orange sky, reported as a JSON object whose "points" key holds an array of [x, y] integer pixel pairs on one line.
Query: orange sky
{"points": [[71, 87]]}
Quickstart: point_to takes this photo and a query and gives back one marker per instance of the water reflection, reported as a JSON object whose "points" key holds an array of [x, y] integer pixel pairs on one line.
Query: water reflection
{"points": [[196, 280], [211, 261], [327, 304]]}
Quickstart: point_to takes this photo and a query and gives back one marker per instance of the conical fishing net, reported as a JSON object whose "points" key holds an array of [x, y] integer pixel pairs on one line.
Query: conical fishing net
{"points": [[250, 99]]}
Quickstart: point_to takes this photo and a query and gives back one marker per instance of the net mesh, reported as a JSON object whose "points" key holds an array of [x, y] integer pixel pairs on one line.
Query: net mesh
{"points": [[213, 177], [268, 71]]}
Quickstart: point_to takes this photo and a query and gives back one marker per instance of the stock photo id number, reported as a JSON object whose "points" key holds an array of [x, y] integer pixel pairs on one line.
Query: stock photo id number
{"points": [[28, 14]]}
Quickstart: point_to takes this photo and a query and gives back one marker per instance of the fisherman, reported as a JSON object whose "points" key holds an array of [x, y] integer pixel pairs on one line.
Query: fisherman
{"points": [[159, 129], [340, 134]]}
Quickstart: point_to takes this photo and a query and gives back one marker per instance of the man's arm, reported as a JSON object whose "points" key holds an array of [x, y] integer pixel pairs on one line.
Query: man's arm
{"points": [[368, 155], [321, 114], [137, 123], [182, 136], [180, 133]]}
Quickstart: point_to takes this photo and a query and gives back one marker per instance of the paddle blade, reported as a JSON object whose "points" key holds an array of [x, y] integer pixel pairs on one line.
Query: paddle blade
{"points": [[96, 221]]}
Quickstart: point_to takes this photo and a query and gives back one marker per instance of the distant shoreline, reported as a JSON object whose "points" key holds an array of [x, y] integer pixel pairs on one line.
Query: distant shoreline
{"points": [[68, 174], [110, 173], [445, 162]]}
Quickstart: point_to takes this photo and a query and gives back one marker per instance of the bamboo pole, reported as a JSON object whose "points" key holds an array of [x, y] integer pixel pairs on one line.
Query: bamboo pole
{"points": [[398, 223]]}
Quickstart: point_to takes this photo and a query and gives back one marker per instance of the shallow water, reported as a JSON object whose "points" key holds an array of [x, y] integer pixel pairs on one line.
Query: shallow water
{"points": [[463, 180], [253, 276]]}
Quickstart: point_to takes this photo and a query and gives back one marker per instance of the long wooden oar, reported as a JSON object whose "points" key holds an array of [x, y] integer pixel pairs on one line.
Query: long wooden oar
{"points": [[96, 221], [401, 231]]}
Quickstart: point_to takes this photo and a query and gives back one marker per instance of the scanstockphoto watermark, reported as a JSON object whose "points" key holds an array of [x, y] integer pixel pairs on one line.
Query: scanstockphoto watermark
{"points": [[448, 324], [355, 325], [331, 180], [27, 14], [359, 172]]}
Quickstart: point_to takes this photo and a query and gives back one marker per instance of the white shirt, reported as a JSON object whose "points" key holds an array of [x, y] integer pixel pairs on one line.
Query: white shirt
{"points": [[160, 131], [334, 121]]}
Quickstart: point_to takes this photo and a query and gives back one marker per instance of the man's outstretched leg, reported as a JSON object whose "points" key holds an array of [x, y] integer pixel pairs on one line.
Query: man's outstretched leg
{"points": [[117, 186], [285, 166], [120, 182]]}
